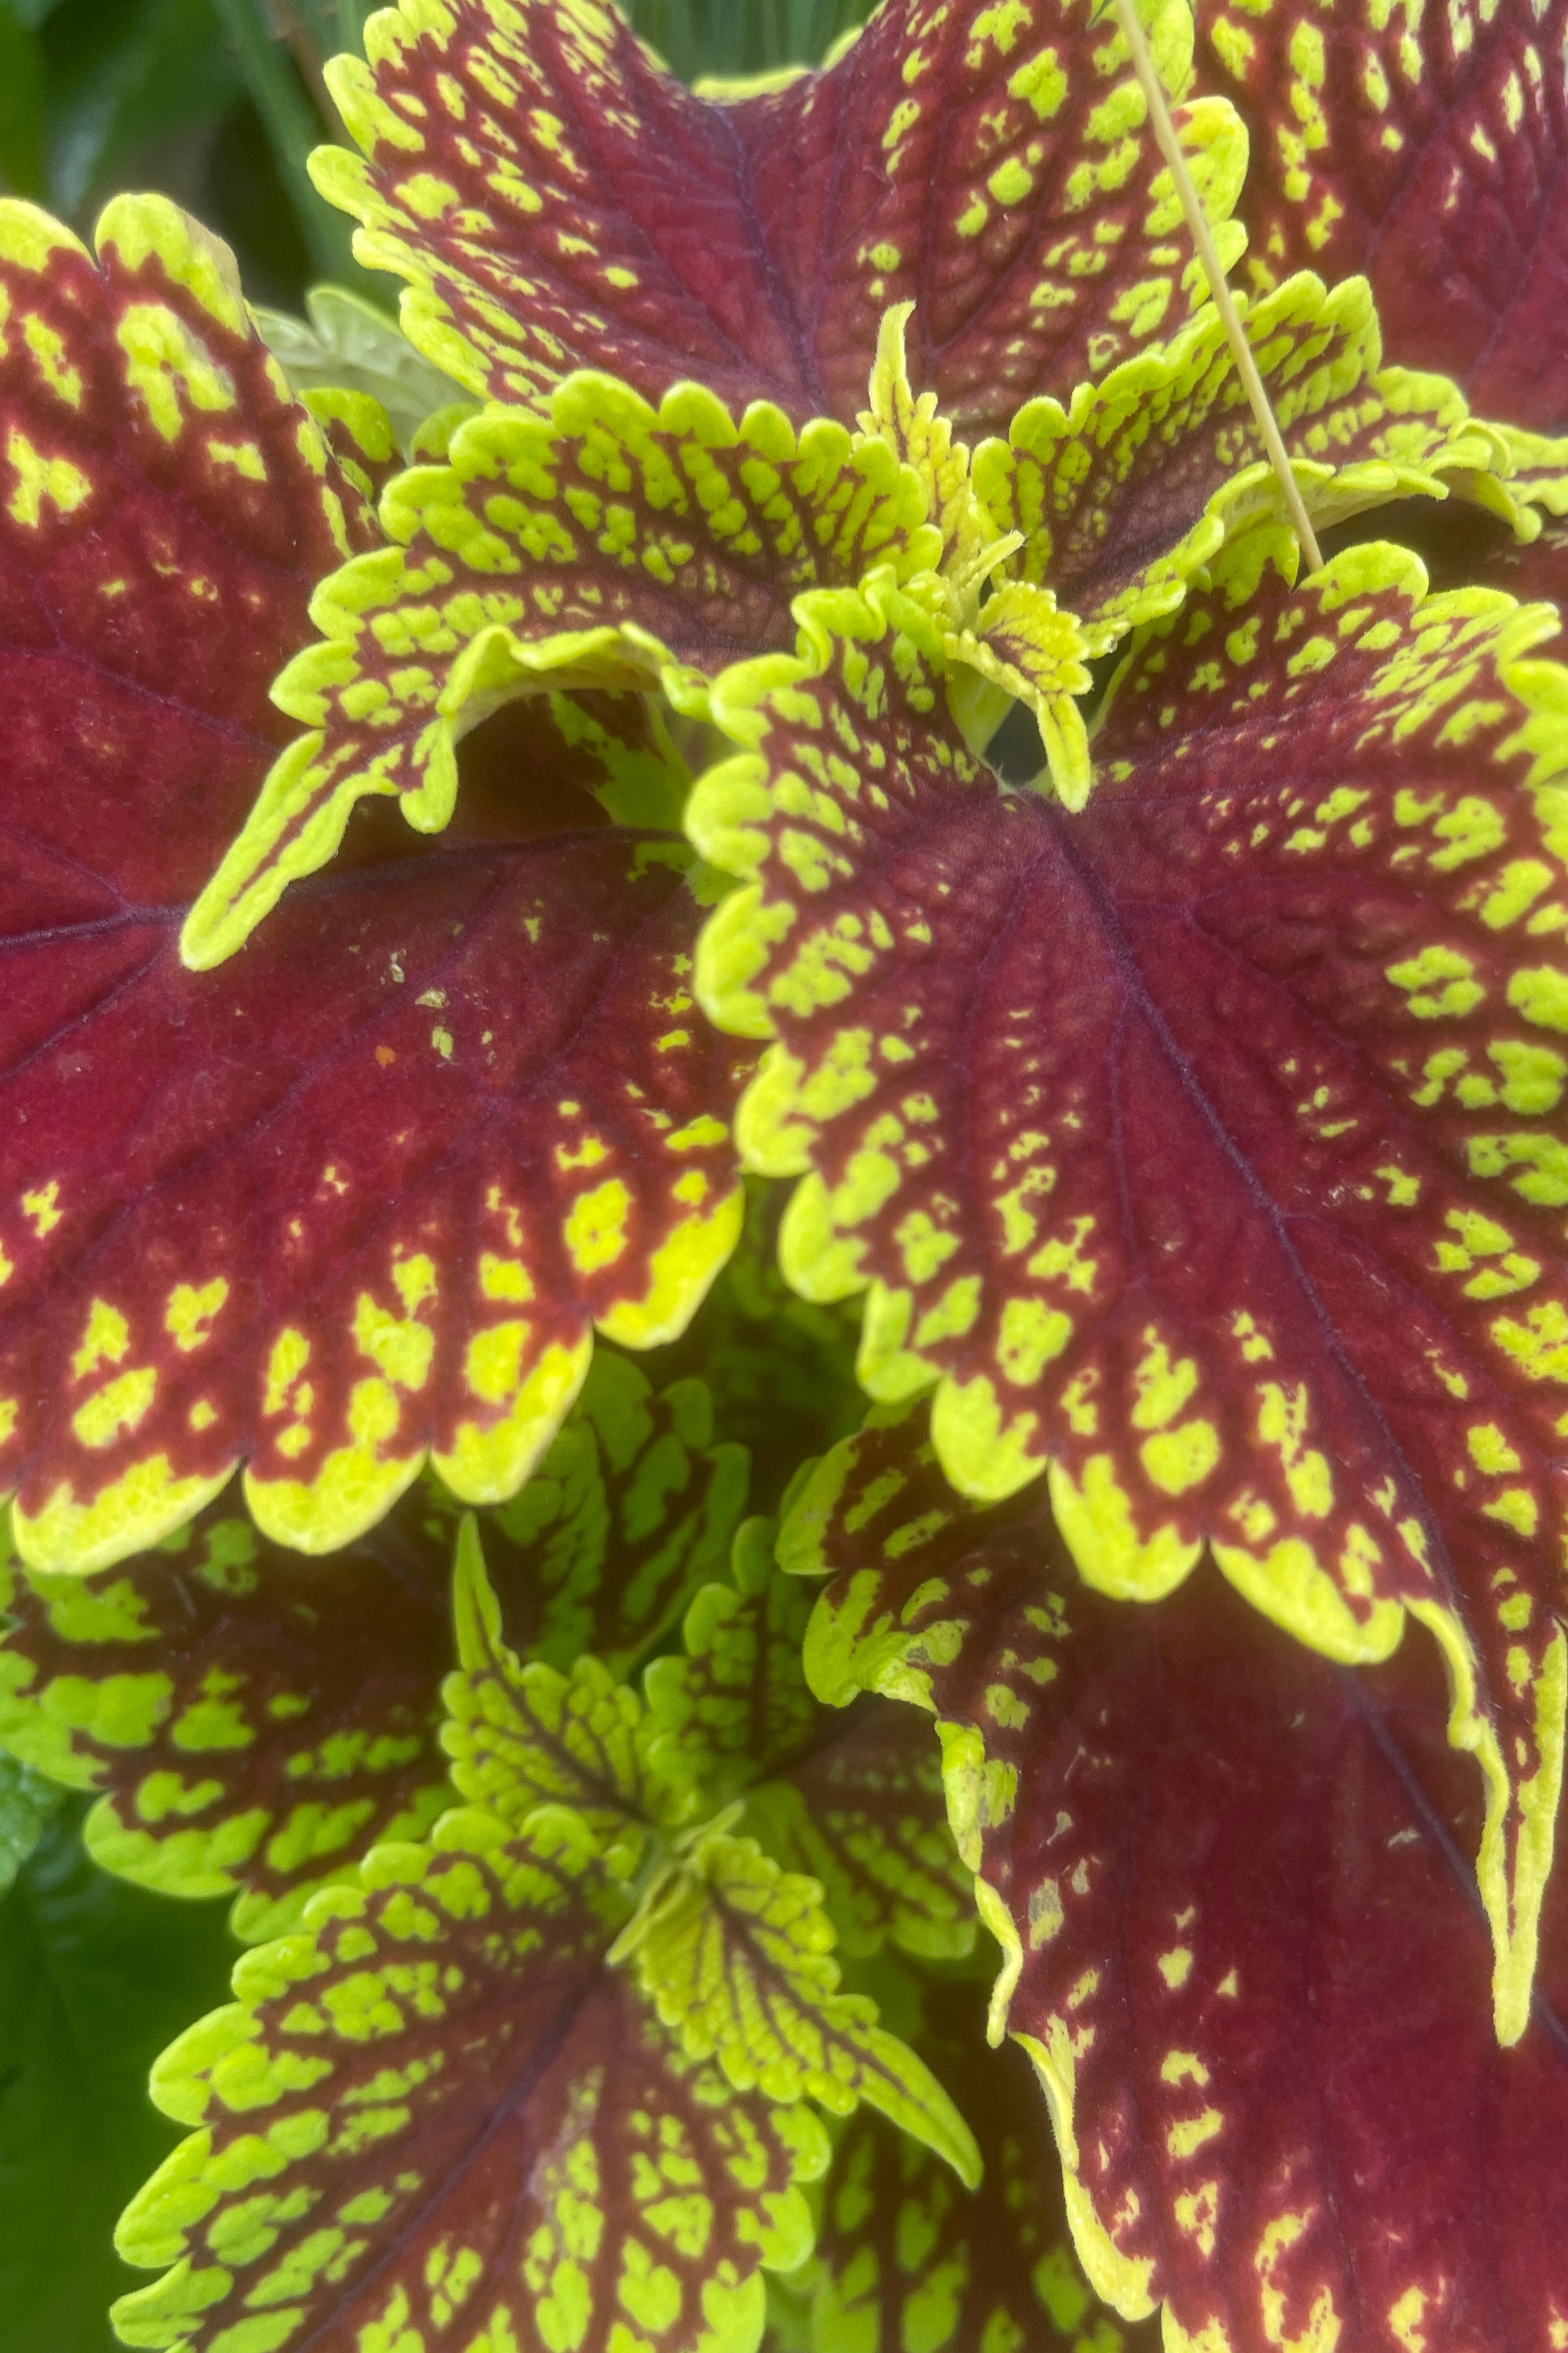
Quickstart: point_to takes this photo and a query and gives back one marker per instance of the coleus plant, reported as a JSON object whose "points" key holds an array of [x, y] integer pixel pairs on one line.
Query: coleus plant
{"points": [[863, 720]]}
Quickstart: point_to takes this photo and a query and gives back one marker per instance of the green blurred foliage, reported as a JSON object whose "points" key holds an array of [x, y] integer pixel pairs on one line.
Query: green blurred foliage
{"points": [[96, 1977], [218, 102], [743, 36]]}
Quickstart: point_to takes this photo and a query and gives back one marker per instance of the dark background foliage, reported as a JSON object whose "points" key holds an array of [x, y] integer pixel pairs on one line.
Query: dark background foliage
{"points": [[218, 102]]}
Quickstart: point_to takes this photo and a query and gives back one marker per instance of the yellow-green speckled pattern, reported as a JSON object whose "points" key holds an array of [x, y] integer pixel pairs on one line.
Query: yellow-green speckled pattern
{"points": [[538, 2080], [1222, 1874], [1203, 1145], [433, 2120], [554, 200], [610, 545], [1124, 493]]}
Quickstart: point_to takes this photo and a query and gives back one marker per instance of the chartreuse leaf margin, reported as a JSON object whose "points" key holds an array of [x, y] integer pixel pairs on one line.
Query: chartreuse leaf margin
{"points": [[1000, 155], [546, 2070], [1229, 1885], [230, 1229], [254, 1721], [1188, 1122], [613, 545], [1006, 1071]]}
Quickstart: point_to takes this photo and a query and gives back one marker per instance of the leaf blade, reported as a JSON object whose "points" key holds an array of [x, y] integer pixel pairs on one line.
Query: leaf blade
{"points": [[738, 1962], [554, 2162], [906, 980], [720, 267]]}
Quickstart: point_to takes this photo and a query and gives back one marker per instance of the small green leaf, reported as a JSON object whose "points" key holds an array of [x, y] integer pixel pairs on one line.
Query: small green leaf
{"points": [[525, 1737], [854, 1799], [736, 1705], [346, 342], [738, 1957]]}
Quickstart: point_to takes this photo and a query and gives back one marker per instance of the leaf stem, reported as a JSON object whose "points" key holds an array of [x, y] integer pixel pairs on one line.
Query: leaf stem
{"points": [[1197, 223]]}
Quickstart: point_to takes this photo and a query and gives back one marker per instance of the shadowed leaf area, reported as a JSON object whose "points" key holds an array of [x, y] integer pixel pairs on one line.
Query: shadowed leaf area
{"points": [[1234, 1888], [365, 1195], [1431, 152], [1199, 1148], [1461, 547], [94, 1978], [258, 1722], [782, 1370]]}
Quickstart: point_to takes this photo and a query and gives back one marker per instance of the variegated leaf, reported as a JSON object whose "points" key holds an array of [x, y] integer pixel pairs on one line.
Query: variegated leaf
{"points": [[608, 544], [856, 1800], [1428, 147], [633, 1509], [253, 1721], [1122, 496], [366, 1196], [906, 2256], [738, 1959], [1233, 1885], [556, 200], [257, 1722], [524, 1738], [782, 1368], [436, 2117], [1201, 1145]]}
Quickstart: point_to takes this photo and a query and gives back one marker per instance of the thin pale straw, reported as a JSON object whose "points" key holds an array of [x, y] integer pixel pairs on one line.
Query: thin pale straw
{"points": [[1166, 132]]}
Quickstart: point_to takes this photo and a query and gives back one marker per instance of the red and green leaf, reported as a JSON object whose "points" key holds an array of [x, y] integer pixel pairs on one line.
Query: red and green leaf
{"points": [[782, 1367], [1538, 567], [634, 1508], [1429, 148], [1232, 1882], [1199, 1146], [733, 1701], [438, 1143], [366, 1196], [856, 1801], [441, 2104], [436, 2115], [257, 1722], [1122, 495], [526, 1738], [737, 1956], [253, 1721], [609, 544], [729, 1721], [861, 1809], [556, 200], [906, 2256]]}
